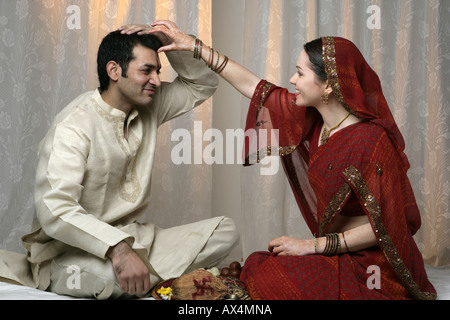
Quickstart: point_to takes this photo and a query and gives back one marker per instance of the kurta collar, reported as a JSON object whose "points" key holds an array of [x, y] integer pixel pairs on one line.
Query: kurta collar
{"points": [[114, 114]]}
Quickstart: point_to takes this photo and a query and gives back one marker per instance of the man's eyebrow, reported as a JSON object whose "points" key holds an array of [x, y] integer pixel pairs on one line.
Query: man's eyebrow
{"points": [[150, 66], [298, 67]]}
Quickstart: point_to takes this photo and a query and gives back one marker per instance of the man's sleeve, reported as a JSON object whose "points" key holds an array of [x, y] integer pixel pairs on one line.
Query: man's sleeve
{"points": [[195, 84], [58, 189]]}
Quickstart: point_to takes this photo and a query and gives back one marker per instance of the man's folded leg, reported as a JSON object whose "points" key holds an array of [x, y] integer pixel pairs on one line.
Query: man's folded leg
{"points": [[80, 274]]}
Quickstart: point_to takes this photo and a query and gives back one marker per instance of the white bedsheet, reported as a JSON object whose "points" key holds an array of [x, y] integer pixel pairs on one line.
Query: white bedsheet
{"points": [[439, 277], [15, 292]]}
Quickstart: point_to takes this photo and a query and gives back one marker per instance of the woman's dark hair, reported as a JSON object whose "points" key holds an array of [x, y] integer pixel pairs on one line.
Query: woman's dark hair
{"points": [[119, 47], [314, 50]]}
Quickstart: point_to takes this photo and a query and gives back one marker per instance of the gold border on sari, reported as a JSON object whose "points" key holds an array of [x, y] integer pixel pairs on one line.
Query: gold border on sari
{"points": [[329, 61], [355, 178], [334, 207], [265, 90], [256, 157]]}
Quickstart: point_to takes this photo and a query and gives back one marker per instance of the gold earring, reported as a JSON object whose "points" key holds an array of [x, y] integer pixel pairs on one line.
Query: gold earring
{"points": [[325, 97]]}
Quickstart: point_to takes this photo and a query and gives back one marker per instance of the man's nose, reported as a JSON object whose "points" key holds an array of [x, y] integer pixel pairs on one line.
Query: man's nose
{"points": [[155, 80]]}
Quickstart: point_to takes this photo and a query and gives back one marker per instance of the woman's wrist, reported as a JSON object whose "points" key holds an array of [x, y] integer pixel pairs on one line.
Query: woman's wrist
{"points": [[331, 244], [319, 245], [213, 59]]}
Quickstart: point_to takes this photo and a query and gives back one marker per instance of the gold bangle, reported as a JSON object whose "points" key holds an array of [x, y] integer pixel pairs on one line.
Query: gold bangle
{"points": [[222, 66], [217, 62], [198, 49], [338, 247], [211, 57], [315, 244], [345, 242], [327, 245]]}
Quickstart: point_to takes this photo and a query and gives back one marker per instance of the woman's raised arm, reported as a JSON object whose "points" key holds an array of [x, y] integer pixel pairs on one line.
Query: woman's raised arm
{"points": [[174, 39]]}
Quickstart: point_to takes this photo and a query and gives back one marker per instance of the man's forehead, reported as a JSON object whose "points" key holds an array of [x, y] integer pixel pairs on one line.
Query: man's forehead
{"points": [[146, 56]]}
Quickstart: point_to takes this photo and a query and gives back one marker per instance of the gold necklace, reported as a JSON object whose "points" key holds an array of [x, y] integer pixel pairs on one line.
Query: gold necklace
{"points": [[326, 133]]}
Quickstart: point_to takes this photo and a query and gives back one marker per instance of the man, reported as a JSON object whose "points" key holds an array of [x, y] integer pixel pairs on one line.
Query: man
{"points": [[93, 180]]}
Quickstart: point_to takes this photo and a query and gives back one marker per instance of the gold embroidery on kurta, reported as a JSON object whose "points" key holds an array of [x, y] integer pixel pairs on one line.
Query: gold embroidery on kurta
{"points": [[129, 187]]}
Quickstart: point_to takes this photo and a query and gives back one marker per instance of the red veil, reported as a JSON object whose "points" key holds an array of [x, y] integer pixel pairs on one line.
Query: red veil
{"points": [[365, 161]]}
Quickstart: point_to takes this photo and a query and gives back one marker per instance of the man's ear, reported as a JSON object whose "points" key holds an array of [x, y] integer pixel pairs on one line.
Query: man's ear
{"points": [[114, 70]]}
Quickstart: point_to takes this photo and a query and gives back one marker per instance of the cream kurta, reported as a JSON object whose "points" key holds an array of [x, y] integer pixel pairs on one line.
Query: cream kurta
{"points": [[92, 184]]}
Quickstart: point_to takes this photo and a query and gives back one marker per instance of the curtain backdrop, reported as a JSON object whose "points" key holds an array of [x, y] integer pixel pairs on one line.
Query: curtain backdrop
{"points": [[48, 57]]}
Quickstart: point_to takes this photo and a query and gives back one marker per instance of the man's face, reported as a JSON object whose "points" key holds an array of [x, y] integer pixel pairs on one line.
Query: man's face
{"points": [[138, 88]]}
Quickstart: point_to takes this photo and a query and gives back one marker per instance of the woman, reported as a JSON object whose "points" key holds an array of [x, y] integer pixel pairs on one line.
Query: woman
{"points": [[343, 155]]}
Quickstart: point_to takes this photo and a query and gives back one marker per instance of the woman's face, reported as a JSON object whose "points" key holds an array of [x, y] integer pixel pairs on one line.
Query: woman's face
{"points": [[308, 88]]}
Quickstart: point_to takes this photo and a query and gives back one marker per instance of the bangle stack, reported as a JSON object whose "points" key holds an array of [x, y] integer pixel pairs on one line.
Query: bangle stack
{"points": [[217, 68], [222, 66], [333, 244], [198, 45]]}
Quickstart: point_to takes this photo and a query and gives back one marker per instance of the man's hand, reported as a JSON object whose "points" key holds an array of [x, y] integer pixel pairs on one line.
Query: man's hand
{"points": [[130, 270]]}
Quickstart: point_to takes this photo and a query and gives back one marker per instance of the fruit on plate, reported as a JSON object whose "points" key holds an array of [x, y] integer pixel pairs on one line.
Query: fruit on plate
{"points": [[233, 271]]}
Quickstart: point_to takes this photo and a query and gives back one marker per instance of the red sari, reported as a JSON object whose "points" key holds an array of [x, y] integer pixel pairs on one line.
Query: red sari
{"points": [[361, 170]]}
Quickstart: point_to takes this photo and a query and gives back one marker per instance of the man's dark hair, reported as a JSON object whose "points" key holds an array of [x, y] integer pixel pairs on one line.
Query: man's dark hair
{"points": [[119, 47], [314, 51]]}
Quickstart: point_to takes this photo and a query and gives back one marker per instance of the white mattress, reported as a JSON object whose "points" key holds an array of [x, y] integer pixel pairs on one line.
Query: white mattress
{"points": [[439, 277], [15, 292]]}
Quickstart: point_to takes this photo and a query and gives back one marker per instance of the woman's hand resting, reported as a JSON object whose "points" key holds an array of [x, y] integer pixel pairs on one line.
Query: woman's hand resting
{"points": [[287, 246]]}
